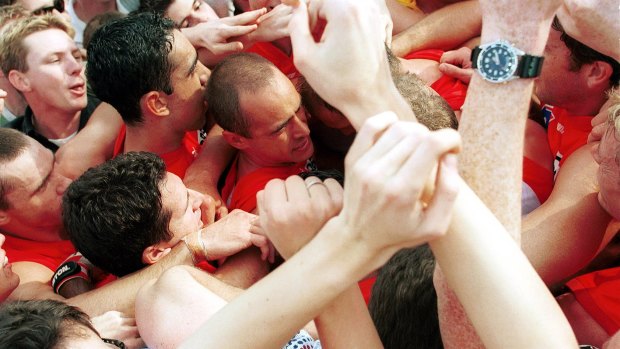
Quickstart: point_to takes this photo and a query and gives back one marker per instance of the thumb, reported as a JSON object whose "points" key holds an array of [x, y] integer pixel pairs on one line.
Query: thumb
{"points": [[299, 29], [463, 74]]}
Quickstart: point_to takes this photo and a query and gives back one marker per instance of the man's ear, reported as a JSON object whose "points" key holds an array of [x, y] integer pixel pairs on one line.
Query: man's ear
{"points": [[235, 140], [598, 74], [4, 218], [153, 253], [20, 81], [155, 103]]}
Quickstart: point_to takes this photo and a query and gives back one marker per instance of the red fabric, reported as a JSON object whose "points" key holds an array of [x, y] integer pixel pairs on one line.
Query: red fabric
{"points": [[242, 191], [177, 161], [48, 254], [566, 133], [540, 179], [599, 294], [451, 89], [277, 57], [366, 287]]}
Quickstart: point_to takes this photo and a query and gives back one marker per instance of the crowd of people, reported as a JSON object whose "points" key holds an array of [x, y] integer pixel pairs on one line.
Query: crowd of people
{"points": [[309, 174]]}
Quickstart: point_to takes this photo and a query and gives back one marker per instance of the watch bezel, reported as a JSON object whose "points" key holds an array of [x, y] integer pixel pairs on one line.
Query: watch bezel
{"points": [[509, 74]]}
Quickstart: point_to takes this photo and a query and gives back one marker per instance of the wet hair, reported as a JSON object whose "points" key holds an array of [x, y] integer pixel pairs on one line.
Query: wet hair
{"points": [[128, 58], [114, 211]]}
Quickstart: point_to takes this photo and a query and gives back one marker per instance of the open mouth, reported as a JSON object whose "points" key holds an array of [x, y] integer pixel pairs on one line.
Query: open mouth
{"points": [[303, 145], [78, 89]]}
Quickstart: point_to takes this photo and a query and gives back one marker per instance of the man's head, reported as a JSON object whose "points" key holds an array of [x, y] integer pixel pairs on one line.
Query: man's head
{"points": [[573, 72], [607, 154], [185, 13], [30, 186], [260, 110], [40, 59], [403, 305], [46, 324], [147, 69], [129, 212]]}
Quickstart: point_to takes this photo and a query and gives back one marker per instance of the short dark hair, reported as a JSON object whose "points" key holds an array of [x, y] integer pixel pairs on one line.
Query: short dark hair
{"points": [[97, 22], [114, 211], [242, 72], [40, 324], [128, 58], [403, 304], [581, 54], [430, 109], [12, 144], [156, 6]]}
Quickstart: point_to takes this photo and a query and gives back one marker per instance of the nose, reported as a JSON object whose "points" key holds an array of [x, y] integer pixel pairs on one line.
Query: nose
{"points": [[301, 128], [74, 66]]}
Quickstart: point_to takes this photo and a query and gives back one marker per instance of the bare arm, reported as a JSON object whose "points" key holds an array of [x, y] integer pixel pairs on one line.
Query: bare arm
{"points": [[444, 29], [205, 171], [506, 296]]}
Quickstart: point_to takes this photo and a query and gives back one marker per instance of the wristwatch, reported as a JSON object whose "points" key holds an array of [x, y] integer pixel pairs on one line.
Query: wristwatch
{"points": [[499, 61]]}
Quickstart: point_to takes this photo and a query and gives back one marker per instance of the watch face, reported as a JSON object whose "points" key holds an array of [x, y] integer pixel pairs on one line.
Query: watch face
{"points": [[497, 62]]}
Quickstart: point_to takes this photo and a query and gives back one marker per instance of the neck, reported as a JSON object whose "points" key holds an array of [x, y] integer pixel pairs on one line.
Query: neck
{"points": [[158, 140], [247, 164], [86, 10], [586, 106], [52, 123], [28, 232]]}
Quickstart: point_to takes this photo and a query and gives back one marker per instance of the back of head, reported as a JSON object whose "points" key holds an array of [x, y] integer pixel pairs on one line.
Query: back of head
{"points": [[40, 324], [156, 6], [12, 144], [97, 22], [403, 305], [243, 72], [128, 58], [114, 211], [12, 49], [430, 109]]}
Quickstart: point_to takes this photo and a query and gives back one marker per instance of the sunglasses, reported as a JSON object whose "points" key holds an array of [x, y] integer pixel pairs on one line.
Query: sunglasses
{"points": [[59, 5]]}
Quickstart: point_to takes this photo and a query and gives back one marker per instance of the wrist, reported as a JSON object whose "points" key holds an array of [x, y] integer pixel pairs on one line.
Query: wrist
{"points": [[196, 246]]}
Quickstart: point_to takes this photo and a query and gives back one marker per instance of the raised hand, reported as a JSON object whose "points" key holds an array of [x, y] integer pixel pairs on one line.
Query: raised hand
{"points": [[292, 211]]}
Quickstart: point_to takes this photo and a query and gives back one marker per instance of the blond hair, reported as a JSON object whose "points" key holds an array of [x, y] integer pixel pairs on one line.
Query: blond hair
{"points": [[12, 49]]}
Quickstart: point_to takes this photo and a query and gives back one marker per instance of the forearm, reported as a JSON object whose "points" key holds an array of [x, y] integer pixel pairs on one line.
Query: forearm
{"points": [[348, 311], [519, 311], [443, 29], [289, 297], [120, 295], [206, 170], [493, 124]]}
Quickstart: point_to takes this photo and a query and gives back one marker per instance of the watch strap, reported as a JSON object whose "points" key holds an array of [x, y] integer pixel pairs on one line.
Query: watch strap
{"points": [[474, 56], [529, 66]]}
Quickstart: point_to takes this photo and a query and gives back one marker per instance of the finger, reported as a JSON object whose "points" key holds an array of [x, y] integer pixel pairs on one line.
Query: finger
{"points": [[436, 145], [296, 191], [221, 212], [207, 209], [316, 189], [463, 74], [275, 194], [272, 253], [231, 47], [301, 39], [237, 30], [372, 128], [436, 216], [457, 57], [249, 17], [336, 193], [134, 343], [394, 147], [262, 243]]}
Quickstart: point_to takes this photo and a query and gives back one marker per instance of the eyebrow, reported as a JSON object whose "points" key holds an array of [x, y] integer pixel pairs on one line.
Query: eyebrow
{"points": [[194, 63]]}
